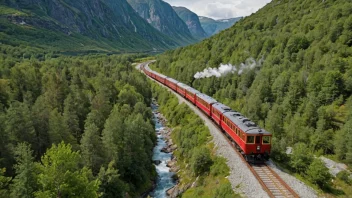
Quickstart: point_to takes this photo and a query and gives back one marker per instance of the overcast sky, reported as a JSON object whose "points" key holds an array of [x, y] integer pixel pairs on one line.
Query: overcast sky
{"points": [[221, 9]]}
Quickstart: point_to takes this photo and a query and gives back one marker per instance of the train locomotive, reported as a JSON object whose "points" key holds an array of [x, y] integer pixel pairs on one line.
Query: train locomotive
{"points": [[248, 138]]}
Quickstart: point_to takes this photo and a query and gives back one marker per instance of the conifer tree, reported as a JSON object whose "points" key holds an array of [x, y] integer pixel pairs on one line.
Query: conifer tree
{"points": [[92, 148], [25, 181], [111, 184], [58, 130]]}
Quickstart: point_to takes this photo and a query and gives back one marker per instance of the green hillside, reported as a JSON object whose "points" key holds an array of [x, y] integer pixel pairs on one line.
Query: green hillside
{"points": [[104, 26], [300, 89]]}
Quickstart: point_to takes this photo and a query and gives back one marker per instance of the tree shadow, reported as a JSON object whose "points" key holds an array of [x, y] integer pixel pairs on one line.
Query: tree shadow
{"points": [[334, 191]]}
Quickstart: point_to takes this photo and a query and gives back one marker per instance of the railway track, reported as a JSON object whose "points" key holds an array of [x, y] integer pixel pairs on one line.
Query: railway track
{"points": [[270, 181]]}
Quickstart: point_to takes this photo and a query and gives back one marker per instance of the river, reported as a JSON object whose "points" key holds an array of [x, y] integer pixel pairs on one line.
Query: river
{"points": [[164, 181]]}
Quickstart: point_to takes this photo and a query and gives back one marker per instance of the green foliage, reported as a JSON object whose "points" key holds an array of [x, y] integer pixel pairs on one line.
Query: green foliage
{"points": [[111, 184], [4, 183], [301, 158], [201, 161], [345, 177], [61, 176], [46, 99], [319, 174], [225, 191], [219, 167], [92, 148], [25, 181]]}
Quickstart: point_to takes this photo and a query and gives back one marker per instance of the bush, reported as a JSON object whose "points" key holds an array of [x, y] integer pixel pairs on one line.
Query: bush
{"points": [[201, 161], [219, 168], [224, 191], [345, 177], [319, 174], [300, 158]]}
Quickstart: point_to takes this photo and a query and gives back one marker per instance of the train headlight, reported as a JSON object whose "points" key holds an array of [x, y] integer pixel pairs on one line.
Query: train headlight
{"points": [[258, 148]]}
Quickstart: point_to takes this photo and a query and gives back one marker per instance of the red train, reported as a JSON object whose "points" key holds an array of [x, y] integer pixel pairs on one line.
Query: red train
{"points": [[250, 139]]}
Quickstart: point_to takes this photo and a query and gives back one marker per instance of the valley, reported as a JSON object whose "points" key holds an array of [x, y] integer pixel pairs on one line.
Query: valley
{"points": [[261, 103]]}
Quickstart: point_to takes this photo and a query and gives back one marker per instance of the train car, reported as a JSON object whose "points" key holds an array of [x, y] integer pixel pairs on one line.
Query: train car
{"points": [[171, 83], [152, 74], [205, 103], [159, 77], [146, 70], [251, 139], [217, 112], [191, 94], [181, 89]]}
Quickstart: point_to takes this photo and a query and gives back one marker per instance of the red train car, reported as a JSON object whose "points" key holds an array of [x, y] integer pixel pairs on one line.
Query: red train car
{"points": [[171, 83], [205, 102], [159, 77], [251, 139], [181, 89], [217, 112], [191, 94]]}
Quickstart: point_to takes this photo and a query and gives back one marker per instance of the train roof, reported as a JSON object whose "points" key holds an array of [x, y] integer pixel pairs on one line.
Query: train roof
{"points": [[245, 124], [172, 80], [147, 68], [207, 98], [221, 107], [159, 74], [192, 90], [184, 86]]}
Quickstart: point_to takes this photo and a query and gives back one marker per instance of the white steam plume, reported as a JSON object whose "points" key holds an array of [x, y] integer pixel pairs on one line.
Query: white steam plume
{"points": [[250, 63]]}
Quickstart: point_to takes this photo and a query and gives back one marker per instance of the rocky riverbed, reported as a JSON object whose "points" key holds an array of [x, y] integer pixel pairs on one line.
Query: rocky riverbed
{"points": [[163, 159]]}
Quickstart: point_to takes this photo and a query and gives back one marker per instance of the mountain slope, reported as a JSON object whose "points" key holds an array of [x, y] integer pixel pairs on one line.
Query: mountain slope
{"points": [[161, 16], [192, 21], [101, 24], [212, 26], [299, 88]]}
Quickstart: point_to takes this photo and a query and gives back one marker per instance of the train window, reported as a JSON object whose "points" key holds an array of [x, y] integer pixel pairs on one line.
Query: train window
{"points": [[237, 131], [250, 139], [257, 139], [266, 139]]}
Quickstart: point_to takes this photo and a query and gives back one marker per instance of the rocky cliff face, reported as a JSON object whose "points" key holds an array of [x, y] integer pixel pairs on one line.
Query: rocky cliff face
{"points": [[212, 26], [113, 20], [192, 21], [161, 16]]}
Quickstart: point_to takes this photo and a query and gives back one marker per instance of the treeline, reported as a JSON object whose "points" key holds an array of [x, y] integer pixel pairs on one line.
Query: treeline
{"points": [[195, 153], [302, 90], [74, 126]]}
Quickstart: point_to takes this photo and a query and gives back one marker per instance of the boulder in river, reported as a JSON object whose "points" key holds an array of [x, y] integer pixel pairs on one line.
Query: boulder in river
{"points": [[157, 162], [165, 150]]}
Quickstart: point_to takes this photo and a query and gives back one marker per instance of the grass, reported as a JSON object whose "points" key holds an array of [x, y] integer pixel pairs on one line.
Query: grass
{"points": [[4, 10]]}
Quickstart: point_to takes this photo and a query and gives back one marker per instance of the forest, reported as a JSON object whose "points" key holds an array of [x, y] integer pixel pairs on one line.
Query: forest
{"points": [[300, 88], [73, 125]]}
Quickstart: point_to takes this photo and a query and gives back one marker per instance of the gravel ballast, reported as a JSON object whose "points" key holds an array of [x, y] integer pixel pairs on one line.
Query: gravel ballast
{"points": [[298, 186]]}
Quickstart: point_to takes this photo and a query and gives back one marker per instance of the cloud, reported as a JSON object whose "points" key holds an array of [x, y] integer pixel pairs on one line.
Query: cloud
{"points": [[221, 9]]}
